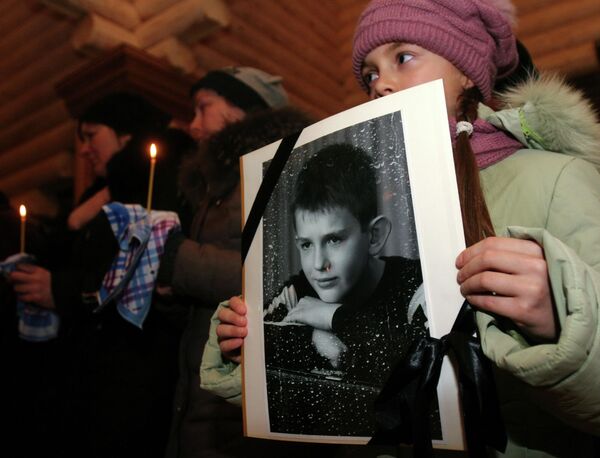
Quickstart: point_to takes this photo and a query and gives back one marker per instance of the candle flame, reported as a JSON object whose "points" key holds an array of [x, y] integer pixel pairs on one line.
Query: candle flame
{"points": [[153, 151], [22, 211]]}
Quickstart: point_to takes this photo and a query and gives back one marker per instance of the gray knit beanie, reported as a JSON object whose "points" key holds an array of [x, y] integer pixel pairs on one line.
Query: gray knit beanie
{"points": [[245, 87]]}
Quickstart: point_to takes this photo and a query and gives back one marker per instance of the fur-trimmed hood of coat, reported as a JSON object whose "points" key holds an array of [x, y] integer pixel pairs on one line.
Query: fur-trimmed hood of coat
{"points": [[214, 169], [547, 113]]}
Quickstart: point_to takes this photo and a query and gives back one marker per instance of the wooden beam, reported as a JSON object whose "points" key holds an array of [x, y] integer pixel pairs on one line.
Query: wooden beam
{"points": [[526, 6], [257, 40], [571, 34], [54, 61], [120, 12], [284, 30], [148, 8], [39, 94], [176, 53], [96, 33], [129, 69], [50, 36], [217, 16], [23, 31], [36, 121], [247, 51], [318, 25], [209, 59], [573, 61], [178, 18], [543, 20], [350, 13], [38, 148], [68, 8], [48, 170]]}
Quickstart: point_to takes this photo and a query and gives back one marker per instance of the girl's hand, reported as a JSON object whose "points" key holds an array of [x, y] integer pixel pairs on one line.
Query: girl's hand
{"points": [[509, 277], [33, 284], [313, 312], [233, 329]]}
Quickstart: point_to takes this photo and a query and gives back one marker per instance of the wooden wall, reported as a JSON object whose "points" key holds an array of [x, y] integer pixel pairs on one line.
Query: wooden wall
{"points": [[307, 42]]}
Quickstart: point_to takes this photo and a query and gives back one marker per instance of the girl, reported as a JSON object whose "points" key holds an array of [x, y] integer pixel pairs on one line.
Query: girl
{"points": [[531, 216]]}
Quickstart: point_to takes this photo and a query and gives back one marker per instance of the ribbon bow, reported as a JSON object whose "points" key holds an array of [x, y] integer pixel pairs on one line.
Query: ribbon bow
{"points": [[403, 406]]}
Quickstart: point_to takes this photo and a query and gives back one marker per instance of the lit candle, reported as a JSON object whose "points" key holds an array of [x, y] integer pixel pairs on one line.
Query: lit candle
{"points": [[23, 213], [151, 182]]}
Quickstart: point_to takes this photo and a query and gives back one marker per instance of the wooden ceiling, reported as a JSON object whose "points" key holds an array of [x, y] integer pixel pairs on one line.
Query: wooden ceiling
{"points": [[307, 42]]}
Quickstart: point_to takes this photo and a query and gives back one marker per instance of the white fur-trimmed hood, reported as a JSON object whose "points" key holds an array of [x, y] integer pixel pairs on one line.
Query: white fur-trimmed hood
{"points": [[547, 113]]}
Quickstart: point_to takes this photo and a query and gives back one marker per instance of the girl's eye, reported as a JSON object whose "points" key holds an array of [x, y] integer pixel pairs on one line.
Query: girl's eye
{"points": [[404, 57], [369, 77]]}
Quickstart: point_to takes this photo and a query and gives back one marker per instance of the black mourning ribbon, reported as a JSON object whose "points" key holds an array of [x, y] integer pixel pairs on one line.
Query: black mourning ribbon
{"points": [[265, 190], [402, 410]]}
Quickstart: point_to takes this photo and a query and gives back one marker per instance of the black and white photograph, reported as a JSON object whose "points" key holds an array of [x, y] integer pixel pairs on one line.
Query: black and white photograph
{"points": [[343, 290]]}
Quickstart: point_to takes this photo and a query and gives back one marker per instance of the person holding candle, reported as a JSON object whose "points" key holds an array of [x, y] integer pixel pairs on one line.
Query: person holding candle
{"points": [[119, 388]]}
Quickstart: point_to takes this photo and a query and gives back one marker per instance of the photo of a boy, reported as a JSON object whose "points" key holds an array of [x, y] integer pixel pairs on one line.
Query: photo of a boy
{"points": [[350, 314]]}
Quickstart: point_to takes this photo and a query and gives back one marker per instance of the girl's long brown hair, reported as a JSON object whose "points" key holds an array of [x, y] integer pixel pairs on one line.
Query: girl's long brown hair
{"points": [[475, 215]]}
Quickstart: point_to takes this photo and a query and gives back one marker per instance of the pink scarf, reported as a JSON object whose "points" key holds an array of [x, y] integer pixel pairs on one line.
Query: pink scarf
{"points": [[489, 143]]}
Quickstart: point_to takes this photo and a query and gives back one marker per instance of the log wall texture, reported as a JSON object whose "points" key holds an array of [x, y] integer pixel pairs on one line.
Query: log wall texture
{"points": [[307, 42]]}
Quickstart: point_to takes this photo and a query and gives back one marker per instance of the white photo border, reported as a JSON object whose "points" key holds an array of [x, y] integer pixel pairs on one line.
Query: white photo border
{"points": [[440, 239]]}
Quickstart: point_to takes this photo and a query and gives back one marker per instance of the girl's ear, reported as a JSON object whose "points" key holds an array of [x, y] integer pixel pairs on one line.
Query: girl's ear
{"points": [[467, 82], [379, 231]]}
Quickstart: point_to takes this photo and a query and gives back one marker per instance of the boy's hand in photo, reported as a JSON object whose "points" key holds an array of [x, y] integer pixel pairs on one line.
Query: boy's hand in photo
{"points": [[313, 312]]}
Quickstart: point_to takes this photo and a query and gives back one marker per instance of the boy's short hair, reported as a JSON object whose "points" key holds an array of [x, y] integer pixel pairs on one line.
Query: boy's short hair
{"points": [[339, 175]]}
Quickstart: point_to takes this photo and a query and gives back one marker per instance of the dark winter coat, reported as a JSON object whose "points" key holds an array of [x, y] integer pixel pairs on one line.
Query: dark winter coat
{"points": [[207, 267], [121, 382]]}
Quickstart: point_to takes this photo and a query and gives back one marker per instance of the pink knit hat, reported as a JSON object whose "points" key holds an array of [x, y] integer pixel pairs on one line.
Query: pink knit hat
{"points": [[475, 35]]}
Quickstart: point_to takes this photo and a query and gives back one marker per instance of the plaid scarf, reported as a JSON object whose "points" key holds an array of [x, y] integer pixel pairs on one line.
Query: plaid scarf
{"points": [[141, 237]]}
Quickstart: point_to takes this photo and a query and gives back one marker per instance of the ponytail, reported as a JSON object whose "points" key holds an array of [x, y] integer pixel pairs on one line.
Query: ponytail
{"points": [[476, 218]]}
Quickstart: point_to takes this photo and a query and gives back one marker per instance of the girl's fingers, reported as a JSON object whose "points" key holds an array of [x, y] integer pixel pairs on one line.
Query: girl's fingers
{"points": [[227, 331], [237, 305], [228, 316], [230, 345], [508, 262], [499, 244]]}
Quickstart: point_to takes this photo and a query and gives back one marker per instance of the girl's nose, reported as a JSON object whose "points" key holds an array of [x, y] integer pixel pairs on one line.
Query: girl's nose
{"points": [[382, 86]]}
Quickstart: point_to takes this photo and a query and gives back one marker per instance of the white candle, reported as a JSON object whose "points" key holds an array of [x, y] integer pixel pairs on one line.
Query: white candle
{"points": [[151, 181], [23, 213]]}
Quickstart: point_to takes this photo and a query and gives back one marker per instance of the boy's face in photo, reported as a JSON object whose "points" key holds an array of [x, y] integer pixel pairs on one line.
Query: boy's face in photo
{"points": [[334, 251]]}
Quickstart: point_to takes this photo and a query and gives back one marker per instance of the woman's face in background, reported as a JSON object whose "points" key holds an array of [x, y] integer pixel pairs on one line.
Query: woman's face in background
{"points": [[212, 113], [99, 143]]}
